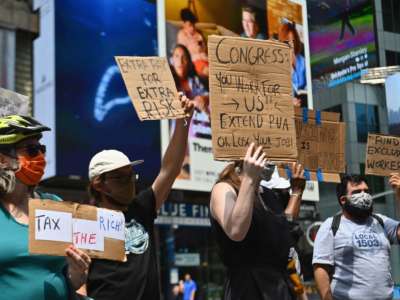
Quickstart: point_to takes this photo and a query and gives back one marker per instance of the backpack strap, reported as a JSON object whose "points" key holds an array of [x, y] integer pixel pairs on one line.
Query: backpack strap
{"points": [[336, 223], [380, 221]]}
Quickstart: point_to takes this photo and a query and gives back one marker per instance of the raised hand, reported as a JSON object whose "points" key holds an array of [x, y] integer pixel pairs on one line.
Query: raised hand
{"points": [[394, 181], [254, 162], [187, 105], [298, 181]]}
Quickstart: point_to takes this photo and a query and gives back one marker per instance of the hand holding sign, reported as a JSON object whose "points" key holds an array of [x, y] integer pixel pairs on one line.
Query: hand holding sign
{"points": [[187, 105], [78, 266], [254, 162], [151, 87], [394, 181]]}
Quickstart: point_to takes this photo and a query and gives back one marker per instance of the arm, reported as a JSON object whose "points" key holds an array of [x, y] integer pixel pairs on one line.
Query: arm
{"points": [[192, 295], [173, 157], [322, 279], [234, 212], [394, 181], [298, 184]]}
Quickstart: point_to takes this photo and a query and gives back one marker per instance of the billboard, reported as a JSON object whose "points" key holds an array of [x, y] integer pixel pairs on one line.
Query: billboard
{"points": [[342, 40], [183, 36], [81, 88]]}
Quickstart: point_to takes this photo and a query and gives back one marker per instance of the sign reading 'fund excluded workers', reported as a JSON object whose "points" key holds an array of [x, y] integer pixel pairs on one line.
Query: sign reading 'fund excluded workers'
{"points": [[383, 155], [250, 85], [151, 87]]}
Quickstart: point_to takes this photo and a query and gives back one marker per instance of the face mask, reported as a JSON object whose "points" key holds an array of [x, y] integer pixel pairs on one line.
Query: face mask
{"points": [[7, 181], [359, 205], [31, 169], [122, 192]]}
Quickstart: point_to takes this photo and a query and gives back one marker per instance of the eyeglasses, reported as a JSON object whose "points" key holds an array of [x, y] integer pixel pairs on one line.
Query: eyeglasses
{"points": [[33, 149], [122, 178]]}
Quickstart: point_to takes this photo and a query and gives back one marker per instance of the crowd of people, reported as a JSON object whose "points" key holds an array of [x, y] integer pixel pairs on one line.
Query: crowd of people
{"points": [[252, 217]]}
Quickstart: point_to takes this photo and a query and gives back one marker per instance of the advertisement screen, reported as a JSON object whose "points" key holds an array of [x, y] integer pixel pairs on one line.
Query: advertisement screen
{"points": [[93, 110], [342, 39], [186, 30]]}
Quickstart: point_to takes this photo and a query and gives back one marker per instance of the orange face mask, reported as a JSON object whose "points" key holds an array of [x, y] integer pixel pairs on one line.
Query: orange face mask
{"points": [[31, 169]]}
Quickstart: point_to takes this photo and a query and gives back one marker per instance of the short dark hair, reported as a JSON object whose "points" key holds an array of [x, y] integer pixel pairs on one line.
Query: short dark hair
{"points": [[188, 16], [341, 188], [249, 9]]}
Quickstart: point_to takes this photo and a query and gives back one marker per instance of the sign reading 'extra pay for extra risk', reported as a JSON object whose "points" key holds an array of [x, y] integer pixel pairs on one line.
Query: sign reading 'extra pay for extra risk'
{"points": [[250, 84], [151, 87], [53, 226]]}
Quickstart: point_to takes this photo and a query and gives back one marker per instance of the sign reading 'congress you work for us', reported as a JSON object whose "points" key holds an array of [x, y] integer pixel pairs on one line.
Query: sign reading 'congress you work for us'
{"points": [[382, 155], [53, 226], [250, 85], [151, 87]]}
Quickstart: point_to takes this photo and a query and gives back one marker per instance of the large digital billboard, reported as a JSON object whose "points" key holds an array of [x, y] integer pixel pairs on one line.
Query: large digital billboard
{"points": [[342, 40], [92, 110], [185, 31]]}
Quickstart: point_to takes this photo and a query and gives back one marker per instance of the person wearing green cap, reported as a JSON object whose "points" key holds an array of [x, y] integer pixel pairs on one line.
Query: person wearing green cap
{"points": [[26, 276]]}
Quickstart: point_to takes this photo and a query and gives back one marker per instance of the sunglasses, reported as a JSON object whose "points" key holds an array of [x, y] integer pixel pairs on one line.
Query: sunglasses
{"points": [[33, 149]]}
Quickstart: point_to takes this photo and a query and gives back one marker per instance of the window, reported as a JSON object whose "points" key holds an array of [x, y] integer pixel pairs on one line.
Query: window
{"points": [[392, 58], [336, 109], [367, 121], [391, 15]]}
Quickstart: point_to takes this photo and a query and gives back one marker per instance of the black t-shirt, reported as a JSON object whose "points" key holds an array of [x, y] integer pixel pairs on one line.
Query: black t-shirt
{"points": [[136, 279]]}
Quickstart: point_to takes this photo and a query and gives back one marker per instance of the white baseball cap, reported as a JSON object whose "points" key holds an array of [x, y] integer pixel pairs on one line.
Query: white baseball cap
{"points": [[109, 160], [276, 182]]}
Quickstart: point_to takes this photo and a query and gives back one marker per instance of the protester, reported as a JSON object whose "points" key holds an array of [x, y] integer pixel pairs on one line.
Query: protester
{"points": [[251, 29], [288, 203], [288, 33], [194, 41], [189, 288], [112, 185], [254, 241], [351, 257], [25, 276]]}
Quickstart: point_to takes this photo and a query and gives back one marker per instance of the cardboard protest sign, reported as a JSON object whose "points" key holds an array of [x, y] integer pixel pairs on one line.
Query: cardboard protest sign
{"points": [[321, 144], [250, 85], [53, 226], [382, 155], [151, 87], [12, 103]]}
